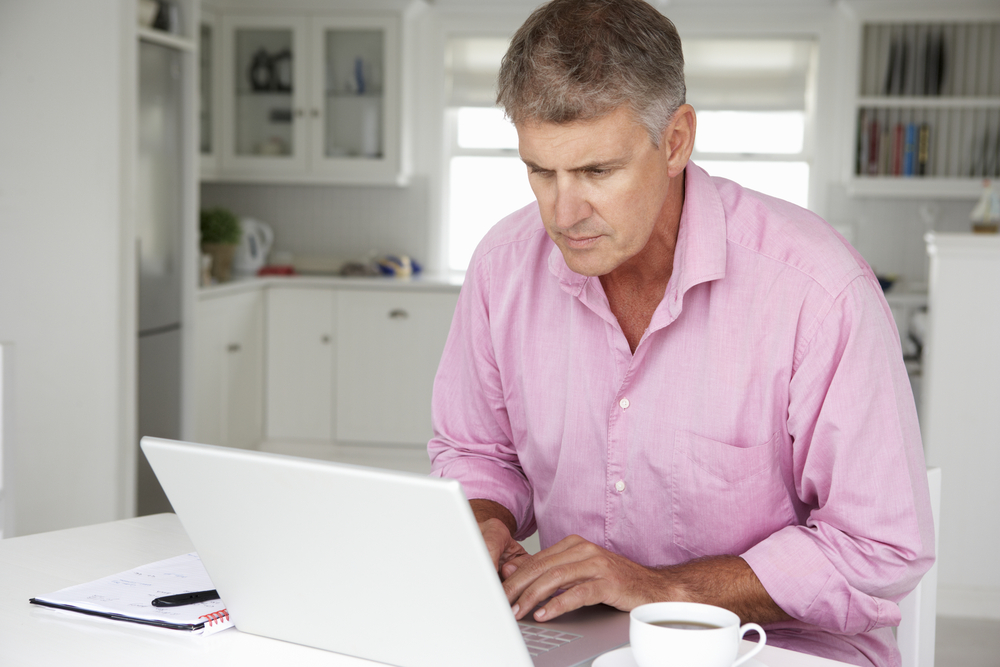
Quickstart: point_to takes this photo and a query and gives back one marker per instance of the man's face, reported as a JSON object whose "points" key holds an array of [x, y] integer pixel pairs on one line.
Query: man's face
{"points": [[602, 187]]}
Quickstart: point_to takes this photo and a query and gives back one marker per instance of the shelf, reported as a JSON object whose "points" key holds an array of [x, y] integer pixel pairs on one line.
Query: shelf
{"points": [[939, 102], [373, 95], [928, 102], [908, 187], [169, 40]]}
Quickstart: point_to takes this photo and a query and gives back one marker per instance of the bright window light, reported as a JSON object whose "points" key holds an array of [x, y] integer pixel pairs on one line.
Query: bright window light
{"points": [[750, 132], [785, 180], [482, 191], [484, 127]]}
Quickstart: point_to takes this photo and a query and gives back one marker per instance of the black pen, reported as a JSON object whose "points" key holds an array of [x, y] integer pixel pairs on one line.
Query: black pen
{"points": [[185, 598]]}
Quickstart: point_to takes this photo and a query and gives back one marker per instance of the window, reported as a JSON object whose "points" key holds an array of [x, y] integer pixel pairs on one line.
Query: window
{"points": [[486, 178], [752, 99]]}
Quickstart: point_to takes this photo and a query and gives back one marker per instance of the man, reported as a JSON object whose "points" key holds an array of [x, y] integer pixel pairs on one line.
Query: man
{"points": [[693, 391]]}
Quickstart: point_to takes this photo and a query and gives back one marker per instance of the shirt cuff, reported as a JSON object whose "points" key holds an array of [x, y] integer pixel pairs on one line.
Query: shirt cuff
{"points": [[807, 586], [490, 479]]}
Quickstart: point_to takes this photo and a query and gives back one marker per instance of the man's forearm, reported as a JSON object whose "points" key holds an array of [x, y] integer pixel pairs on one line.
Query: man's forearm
{"points": [[723, 581], [487, 509]]}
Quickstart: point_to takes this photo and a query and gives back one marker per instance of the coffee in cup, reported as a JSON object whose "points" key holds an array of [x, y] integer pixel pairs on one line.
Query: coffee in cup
{"points": [[688, 634]]}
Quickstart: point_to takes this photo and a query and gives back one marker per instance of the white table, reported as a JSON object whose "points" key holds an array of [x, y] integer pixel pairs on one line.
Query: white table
{"points": [[43, 563]]}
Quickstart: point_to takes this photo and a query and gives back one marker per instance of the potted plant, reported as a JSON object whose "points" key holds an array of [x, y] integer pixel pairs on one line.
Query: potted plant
{"points": [[220, 234]]}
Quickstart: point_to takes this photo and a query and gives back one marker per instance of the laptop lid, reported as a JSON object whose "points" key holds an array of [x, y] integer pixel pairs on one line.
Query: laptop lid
{"points": [[383, 565]]}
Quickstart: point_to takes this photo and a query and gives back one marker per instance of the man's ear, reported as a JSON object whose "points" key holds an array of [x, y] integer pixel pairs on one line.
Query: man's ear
{"points": [[678, 139]]}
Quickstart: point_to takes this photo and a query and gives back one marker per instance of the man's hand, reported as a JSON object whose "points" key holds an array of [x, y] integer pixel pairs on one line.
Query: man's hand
{"points": [[498, 527], [587, 574]]}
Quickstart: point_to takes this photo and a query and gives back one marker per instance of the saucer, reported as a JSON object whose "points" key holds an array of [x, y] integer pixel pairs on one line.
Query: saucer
{"points": [[622, 657]]}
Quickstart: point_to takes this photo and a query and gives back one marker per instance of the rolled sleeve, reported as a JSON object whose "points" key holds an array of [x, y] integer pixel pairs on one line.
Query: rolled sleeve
{"points": [[858, 462], [472, 440]]}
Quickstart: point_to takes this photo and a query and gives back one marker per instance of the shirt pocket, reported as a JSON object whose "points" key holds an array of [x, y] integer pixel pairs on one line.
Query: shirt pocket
{"points": [[726, 498]]}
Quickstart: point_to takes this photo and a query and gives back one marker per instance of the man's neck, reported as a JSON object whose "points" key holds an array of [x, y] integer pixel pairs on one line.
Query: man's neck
{"points": [[635, 288]]}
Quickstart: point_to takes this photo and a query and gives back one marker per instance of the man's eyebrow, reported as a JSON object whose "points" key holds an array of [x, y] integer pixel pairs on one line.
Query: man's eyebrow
{"points": [[610, 163]]}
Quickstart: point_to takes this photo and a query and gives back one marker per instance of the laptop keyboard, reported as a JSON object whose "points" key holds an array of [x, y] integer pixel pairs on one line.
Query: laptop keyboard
{"points": [[539, 640]]}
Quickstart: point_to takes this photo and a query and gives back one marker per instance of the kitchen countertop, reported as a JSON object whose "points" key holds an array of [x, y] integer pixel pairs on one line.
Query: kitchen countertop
{"points": [[423, 282]]}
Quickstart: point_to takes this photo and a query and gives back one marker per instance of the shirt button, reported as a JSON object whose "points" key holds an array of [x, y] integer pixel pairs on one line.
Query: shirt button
{"points": [[623, 403], [620, 485]]}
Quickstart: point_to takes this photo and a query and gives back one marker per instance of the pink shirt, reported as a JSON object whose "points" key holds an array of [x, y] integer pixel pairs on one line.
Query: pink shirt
{"points": [[766, 412]]}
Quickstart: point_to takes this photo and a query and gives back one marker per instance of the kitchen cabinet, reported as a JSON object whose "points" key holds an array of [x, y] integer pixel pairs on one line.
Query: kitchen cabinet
{"points": [[960, 418], [229, 370], [312, 98], [325, 361], [927, 107], [389, 344], [300, 356], [209, 94]]}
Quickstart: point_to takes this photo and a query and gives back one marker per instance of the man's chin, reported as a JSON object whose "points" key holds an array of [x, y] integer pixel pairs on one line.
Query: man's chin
{"points": [[586, 264]]}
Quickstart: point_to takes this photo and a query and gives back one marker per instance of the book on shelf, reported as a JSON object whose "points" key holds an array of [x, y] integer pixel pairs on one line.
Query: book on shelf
{"points": [[128, 596], [923, 148], [910, 150], [916, 63], [899, 149]]}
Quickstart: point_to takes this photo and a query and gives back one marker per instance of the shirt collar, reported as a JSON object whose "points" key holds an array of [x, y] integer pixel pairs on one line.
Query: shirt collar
{"points": [[700, 255]]}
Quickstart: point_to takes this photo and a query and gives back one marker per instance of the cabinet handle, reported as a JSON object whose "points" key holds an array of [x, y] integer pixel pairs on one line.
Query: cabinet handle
{"points": [[314, 113], [233, 347], [325, 339], [398, 314], [299, 113]]}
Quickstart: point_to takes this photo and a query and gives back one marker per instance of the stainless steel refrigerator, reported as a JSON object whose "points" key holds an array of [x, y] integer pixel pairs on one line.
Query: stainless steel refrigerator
{"points": [[159, 230]]}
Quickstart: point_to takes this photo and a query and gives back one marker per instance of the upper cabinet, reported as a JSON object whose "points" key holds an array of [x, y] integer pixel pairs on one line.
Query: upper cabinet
{"points": [[311, 98], [927, 108]]}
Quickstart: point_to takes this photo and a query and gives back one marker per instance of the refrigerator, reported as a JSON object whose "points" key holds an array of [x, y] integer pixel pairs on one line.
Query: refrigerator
{"points": [[159, 239]]}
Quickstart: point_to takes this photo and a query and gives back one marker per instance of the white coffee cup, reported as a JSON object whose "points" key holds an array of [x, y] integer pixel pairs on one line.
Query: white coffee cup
{"points": [[688, 634]]}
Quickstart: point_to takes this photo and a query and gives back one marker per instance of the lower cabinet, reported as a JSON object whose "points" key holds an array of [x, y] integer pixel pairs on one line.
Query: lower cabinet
{"points": [[229, 370], [389, 344], [300, 351], [353, 366]]}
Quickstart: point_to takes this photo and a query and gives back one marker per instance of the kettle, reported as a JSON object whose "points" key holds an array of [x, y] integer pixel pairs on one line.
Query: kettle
{"points": [[251, 252]]}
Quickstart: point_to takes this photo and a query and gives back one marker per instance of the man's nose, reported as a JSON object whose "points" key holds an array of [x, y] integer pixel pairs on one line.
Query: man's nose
{"points": [[571, 205]]}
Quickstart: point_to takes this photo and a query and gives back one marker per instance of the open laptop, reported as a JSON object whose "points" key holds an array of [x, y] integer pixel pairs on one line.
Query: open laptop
{"points": [[383, 565]]}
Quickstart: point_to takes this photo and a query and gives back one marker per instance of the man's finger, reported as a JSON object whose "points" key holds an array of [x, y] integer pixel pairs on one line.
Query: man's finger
{"points": [[581, 595], [571, 550]]}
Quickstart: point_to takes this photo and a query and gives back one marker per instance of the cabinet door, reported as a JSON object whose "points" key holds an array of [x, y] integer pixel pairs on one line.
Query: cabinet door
{"points": [[229, 370], [355, 106], [300, 364], [264, 79], [209, 370], [244, 379], [389, 345]]}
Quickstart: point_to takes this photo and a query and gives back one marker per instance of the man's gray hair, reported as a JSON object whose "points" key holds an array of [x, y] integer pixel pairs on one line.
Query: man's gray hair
{"points": [[582, 59]]}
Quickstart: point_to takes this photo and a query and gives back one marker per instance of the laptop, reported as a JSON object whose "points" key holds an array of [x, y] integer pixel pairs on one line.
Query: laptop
{"points": [[383, 565]]}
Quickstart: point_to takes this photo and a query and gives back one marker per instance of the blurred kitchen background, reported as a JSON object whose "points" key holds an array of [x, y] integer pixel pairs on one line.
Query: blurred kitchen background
{"points": [[358, 144]]}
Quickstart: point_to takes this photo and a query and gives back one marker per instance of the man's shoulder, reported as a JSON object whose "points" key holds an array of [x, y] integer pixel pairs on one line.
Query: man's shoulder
{"points": [[788, 235], [519, 236]]}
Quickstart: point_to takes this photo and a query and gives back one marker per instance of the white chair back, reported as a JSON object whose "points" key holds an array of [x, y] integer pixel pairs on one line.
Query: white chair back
{"points": [[6, 429], [915, 634]]}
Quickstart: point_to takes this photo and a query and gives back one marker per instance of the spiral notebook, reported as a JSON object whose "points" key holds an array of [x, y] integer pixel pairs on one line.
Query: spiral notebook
{"points": [[128, 596]]}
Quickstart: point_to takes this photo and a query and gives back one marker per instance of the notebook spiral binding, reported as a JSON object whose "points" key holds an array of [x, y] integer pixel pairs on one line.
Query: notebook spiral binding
{"points": [[215, 617]]}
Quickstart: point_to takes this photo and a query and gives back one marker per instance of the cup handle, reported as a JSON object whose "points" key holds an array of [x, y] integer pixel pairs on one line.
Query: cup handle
{"points": [[756, 649]]}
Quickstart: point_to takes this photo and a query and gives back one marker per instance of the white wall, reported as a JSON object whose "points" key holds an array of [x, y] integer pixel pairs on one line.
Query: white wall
{"points": [[61, 300]]}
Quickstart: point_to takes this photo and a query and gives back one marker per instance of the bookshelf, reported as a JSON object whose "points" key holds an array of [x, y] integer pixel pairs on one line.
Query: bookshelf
{"points": [[927, 110]]}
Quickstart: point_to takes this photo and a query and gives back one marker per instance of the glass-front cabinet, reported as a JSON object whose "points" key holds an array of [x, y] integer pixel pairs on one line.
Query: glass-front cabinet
{"points": [[264, 86], [311, 99], [208, 94]]}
